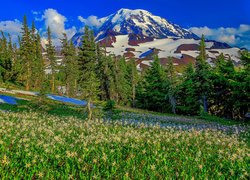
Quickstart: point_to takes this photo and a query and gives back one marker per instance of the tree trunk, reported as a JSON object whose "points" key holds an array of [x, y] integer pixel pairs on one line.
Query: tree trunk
{"points": [[28, 78], [67, 88], [75, 91], [27, 87], [53, 83], [89, 109], [205, 105], [173, 103], [133, 96]]}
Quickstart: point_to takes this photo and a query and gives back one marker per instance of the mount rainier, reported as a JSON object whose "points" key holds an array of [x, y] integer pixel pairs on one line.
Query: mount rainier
{"points": [[139, 34]]}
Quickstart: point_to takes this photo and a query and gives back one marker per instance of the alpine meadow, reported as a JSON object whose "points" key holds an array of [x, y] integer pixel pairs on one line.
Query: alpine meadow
{"points": [[130, 95]]}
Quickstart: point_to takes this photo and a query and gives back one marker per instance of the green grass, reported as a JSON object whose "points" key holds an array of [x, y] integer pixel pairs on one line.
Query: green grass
{"points": [[206, 118], [47, 106], [53, 140], [43, 146]]}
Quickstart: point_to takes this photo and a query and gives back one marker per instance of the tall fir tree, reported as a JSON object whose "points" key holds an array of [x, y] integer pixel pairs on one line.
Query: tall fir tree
{"points": [[121, 82], [241, 88], [156, 88], [221, 96], [133, 78], [38, 74], [104, 73], [171, 74], [70, 66], [187, 99], [26, 55], [202, 75], [3, 48], [88, 82], [51, 55]]}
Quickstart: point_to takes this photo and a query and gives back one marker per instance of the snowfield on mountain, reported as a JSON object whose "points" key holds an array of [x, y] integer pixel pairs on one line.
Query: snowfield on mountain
{"points": [[140, 35], [167, 48]]}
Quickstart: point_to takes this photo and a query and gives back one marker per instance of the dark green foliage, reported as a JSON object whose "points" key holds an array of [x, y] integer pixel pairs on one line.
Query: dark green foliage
{"points": [[241, 94], [6, 55], [51, 53], [26, 57], [110, 105], [38, 74], [104, 70], [172, 80], [202, 74], [221, 101], [88, 82], [245, 57], [154, 89], [69, 68], [133, 78], [122, 85], [24, 65], [188, 101]]}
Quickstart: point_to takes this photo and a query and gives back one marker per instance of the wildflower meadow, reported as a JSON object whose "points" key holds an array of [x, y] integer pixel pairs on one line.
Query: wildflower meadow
{"points": [[41, 146]]}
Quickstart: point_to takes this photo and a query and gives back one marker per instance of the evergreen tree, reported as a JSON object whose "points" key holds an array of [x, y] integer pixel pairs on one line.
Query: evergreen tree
{"points": [[51, 53], [156, 88], [88, 82], [26, 55], [121, 82], [221, 97], [202, 75], [104, 73], [3, 57], [70, 67], [172, 84], [133, 79], [6, 58], [15, 64], [241, 88], [187, 99], [245, 58], [38, 73]]}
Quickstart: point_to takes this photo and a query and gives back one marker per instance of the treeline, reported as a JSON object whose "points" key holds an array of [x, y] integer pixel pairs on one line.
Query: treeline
{"points": [[220, 90], [87, 72]]}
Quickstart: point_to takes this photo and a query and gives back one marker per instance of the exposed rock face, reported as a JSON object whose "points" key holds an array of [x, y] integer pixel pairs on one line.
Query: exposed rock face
{"points": [[141, 35], [187, 47], [141, 25]]}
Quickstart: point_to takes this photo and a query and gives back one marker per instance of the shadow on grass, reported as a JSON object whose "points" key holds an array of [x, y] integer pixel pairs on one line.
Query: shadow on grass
{"points": [[48, 107]]}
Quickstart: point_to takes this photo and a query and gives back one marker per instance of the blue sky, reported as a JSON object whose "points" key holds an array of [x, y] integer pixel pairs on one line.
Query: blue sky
{"points": [[224, 20]]}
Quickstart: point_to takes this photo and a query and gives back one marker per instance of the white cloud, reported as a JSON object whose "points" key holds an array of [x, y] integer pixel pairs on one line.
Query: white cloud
{"points": [[234, 36], [56, 22], [51, 18], [13, 28], [91, 21], [35, 12]]}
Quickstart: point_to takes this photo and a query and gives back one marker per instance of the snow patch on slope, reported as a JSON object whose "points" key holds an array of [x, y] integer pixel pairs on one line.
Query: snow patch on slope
{"points": [[167, 48]]}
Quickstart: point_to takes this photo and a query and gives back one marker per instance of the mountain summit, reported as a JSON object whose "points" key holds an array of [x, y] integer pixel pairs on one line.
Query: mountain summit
{"points": [[142, 22], [140, 35], [139, 23]]}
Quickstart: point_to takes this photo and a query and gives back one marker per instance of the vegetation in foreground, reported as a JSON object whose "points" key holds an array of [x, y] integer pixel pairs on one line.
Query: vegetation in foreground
{"points": [[35, 145]]}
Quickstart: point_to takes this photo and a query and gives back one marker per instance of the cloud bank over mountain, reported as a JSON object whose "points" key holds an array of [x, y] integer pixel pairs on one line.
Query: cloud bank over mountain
{"points": [[234, 36]]}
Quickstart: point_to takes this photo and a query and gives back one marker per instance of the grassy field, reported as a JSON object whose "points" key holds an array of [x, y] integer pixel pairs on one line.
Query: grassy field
{"points": [[53, 141]]}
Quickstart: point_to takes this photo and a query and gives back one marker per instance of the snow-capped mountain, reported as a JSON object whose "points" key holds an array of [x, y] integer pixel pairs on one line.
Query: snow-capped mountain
{"points": [[140, 35], [139, 23], [142, 22]]}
